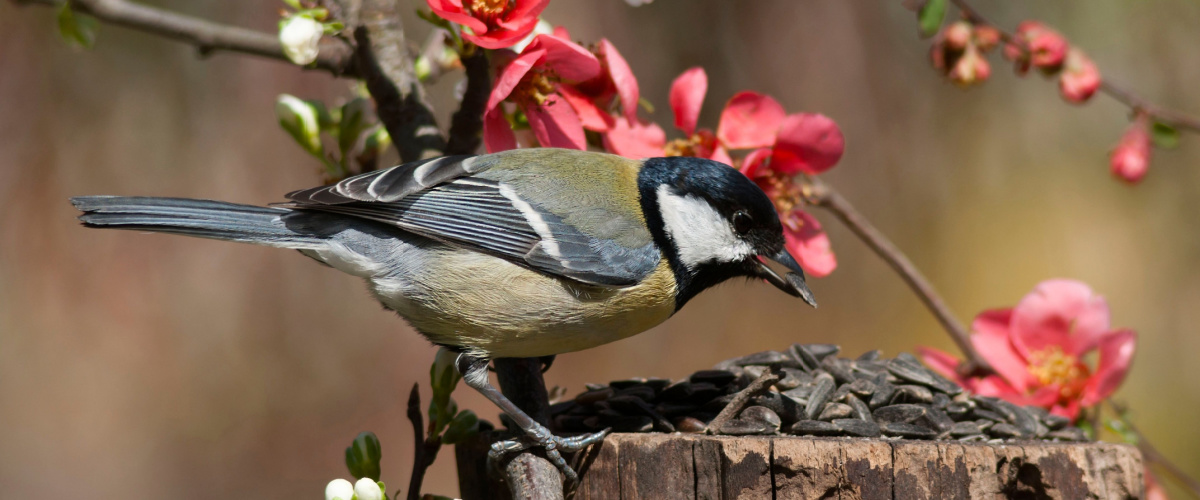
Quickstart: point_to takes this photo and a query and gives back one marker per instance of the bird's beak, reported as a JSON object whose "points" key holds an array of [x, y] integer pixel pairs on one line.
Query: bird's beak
{"points": [[793, 283]]}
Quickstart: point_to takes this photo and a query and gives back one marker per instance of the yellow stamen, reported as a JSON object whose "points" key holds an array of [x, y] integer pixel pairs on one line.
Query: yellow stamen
{"points": [[489, 9], [1052, 366]]}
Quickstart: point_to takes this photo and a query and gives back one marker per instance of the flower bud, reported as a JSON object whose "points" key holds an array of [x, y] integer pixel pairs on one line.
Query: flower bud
{"points": [[300, 36], [986, 37], [339, 489], [971, 68], [958, 35], [1080, 78], [367, 489], [1038, 46], [302, 121], [1131, 158]]}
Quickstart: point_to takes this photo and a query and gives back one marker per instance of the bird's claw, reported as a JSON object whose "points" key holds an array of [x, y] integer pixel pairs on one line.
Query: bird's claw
{"points": [[555, 446]]}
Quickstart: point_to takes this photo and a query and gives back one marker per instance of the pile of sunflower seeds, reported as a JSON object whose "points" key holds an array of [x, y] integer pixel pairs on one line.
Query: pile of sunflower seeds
{"points": [[816, 394]]}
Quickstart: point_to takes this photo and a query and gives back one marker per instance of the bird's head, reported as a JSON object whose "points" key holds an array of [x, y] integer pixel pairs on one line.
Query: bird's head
{"points": [[713, 224]]}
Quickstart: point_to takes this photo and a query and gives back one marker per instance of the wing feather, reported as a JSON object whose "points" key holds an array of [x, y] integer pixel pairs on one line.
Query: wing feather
{"points": [[441, 199]]}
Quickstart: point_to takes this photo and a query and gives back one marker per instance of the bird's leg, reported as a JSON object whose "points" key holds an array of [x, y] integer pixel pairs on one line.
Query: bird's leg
{"points": [[475, 374]]}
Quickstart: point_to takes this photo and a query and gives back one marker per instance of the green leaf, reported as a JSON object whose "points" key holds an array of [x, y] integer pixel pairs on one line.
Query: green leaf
{"points": [[374, 145], [463, 426], [1164, 135], [77, 29], [295, 4], [931, 16], [301, 119], [363, 455], [353, 123], [326, 120]]}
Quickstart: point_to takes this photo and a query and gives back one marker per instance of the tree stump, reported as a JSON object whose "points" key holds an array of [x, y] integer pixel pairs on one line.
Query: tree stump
{"points": [[669, 466]]}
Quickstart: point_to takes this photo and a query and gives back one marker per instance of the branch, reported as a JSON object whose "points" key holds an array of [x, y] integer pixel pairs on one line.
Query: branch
{"points": [[527, 474], [207, 36], [467, 122], [383, 60], [1153, 456], [1118, 92], [824, 196], [424, 450]]}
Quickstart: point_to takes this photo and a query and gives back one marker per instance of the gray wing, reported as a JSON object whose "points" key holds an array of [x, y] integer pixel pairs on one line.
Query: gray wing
{"points": [[440, 199]]}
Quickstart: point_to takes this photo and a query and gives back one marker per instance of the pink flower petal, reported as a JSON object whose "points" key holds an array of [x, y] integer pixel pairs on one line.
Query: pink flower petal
{"points": [[721, 155], [454, 12], [805, 239], [497, 134], [756, 162], [687, 95], [566, 58], [527, 9], [622, 78], [639, 140], [996, 387], [556, 125], [511, 76], [1116, 354], [750, 120], [993, 342], [809, 143], [1063, 313], [561, 32], [592, 117], [941, 362], [502, 38]]}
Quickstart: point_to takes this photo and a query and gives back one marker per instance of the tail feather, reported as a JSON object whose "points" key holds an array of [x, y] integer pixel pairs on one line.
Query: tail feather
{"points": [[200, 218]]}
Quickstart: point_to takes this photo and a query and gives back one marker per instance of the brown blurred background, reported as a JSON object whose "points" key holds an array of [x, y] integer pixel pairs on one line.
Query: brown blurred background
{"points": [[150, 366]]}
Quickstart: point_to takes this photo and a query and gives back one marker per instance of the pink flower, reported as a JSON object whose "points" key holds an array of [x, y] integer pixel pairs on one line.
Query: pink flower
{"points": [[1080, 78], [1036, 45], [1037, 350], [783, 146], [537, 81], [1131, 158], [614, 89], [803, 234], [492, 24]]}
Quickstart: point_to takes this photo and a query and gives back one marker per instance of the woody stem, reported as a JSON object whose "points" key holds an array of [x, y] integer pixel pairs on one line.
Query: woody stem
{"points": [[823, 195]]}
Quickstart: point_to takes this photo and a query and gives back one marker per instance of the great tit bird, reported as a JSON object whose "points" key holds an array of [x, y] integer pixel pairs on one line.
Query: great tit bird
{"points": [[523, 253]]}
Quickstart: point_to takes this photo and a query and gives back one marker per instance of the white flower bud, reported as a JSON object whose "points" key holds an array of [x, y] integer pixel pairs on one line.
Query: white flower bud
{"points": [[339, 489], [300, 119], [638, 3], [300, 36], [367, 489]]}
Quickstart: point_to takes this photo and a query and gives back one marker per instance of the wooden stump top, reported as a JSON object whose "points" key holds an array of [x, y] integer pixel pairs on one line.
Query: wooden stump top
{"points": [[683, 466]]}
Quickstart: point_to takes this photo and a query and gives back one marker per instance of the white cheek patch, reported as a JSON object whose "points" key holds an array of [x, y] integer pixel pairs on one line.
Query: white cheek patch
{"points": [[699, 231]]}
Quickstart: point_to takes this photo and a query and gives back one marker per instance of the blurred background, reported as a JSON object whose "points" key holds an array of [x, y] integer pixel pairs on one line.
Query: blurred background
{"points": [[151, 366]]}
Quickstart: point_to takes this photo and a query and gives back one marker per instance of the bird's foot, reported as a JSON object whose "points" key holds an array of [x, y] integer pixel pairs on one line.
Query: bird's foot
{"points": [[555, 446]]}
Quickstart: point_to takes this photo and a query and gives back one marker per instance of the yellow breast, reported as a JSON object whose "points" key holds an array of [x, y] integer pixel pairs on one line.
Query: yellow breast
{"points": [[494, 308]]}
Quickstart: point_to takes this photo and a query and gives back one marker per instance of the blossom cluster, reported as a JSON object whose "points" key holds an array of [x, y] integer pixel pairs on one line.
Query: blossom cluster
{"points": [[959, 51], [550, 91]]}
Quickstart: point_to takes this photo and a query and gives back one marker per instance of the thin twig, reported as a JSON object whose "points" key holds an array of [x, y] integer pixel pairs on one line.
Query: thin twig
{"points": [[1153, 456], [208, 37], [1116, 91], [824, 196], [731, 410], [467, 122], [424, 450]]}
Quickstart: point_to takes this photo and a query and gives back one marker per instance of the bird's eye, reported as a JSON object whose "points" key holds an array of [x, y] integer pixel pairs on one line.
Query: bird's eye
{"points": [[742, 222]]}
